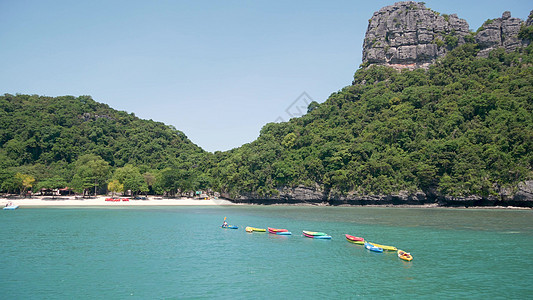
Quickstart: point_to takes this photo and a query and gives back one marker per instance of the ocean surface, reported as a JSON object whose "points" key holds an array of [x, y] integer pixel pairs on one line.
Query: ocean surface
{"points": [[182, 253]]}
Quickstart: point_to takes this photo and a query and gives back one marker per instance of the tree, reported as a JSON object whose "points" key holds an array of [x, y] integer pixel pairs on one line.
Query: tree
{"points": [[26, 181], [5, 178], [202, 182], [131, 179], [115, 186], [90, 170], [312, 106], [169, 180], [150, 179], [54, 182], [289, 140], [11, 183], [426, 175]]}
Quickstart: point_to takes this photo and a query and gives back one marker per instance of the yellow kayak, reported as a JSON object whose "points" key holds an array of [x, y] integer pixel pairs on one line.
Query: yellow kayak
{"points": [[357, 242], [388, 248], [252, 229]]}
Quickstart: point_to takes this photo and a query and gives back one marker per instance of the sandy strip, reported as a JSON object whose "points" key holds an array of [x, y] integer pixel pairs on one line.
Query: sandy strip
{"points": [[100, 201]]}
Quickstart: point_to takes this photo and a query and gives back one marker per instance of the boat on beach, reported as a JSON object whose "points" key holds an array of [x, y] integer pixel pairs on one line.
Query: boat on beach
{"points": [[405, 255], [371, 247], [355, 239]]}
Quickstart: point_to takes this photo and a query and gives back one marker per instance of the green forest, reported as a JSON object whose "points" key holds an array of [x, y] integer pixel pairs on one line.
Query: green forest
{"points": [[55, 142], [462, 127]]}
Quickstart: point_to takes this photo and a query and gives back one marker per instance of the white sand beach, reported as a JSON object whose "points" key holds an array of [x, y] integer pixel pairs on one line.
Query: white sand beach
{"points": [[101, 201]]}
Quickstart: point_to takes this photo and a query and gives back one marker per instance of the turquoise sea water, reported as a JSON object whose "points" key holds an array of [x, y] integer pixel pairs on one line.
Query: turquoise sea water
{"points": [[181, 252]]}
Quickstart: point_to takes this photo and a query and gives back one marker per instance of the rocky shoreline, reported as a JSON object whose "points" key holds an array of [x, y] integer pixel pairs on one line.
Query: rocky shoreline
{"points": [[522, 197]]}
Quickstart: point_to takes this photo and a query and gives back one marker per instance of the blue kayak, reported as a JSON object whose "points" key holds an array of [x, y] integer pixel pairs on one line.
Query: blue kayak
{"points": [[11, 207], [373, 248], [230, 227], [322, 237], [284, 233]]}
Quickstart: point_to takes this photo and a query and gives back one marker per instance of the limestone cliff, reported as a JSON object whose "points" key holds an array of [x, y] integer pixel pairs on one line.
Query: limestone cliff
{"points": [[500, 32], [409, 35]]}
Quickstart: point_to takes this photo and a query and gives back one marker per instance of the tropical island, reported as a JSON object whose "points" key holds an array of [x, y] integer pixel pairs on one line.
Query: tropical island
{"points": [[436, 114]]}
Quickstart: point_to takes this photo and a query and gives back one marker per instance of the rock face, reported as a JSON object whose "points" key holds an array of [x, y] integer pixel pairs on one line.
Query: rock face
{"points": [[500, 32], [299, 194], [525, 192], [409, 35], [521, 197], [529, 20]]}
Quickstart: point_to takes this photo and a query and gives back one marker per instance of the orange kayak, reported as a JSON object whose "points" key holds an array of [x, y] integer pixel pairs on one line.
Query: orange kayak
{"points": [[404, 255]]}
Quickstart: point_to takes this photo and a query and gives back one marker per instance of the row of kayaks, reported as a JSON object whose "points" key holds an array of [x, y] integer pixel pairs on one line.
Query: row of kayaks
{"points": [[321, 235], [377, 247], [282, 231]]}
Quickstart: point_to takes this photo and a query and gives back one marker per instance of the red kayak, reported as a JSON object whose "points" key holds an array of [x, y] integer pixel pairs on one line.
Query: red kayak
{"points": [[355, 239], [275, 231]]}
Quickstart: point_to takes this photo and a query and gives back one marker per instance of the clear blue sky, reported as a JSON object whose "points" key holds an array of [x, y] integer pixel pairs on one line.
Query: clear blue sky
{"points": [[216, 70]]}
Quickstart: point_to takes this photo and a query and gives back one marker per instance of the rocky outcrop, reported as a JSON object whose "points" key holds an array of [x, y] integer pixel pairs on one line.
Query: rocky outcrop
{"points": [[409, 35], [521, 196], [401, 198], [299, 194], [93, 117], [525, 191], [500, 32]]}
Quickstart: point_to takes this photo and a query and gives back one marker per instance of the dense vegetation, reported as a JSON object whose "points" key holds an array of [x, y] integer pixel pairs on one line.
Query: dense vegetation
{"points": [[78, 142], [463, 127]]}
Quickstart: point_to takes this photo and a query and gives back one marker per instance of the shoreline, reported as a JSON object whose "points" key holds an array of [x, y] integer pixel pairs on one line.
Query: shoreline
{"points": [[100, 201], [428, 206], [157, 201]]}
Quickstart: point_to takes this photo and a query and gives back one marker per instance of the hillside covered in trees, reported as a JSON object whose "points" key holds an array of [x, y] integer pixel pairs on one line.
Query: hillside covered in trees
{"points": [[80, 143], [461, 128]]}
